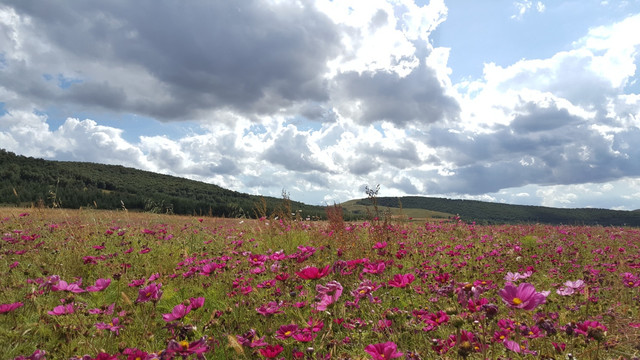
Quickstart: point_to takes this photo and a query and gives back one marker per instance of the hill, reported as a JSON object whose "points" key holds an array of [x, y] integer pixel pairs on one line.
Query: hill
{"points": [[25, 181], [495, 213]]}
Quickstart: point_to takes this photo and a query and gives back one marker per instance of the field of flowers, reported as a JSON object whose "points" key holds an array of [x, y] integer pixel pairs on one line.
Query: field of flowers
{"points": [[115, 285]]}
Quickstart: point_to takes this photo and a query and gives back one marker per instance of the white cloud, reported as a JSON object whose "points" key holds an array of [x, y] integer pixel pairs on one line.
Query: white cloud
{"points": [[524, 6]]}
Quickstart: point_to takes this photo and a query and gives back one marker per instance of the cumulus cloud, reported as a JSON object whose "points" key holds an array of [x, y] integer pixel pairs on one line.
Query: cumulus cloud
{"points": [[249, 56]]}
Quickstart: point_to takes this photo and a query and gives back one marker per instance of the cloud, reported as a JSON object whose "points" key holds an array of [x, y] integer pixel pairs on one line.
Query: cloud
{"points": [[248, 56], [524, 6], [291, 150], [383, 96]]}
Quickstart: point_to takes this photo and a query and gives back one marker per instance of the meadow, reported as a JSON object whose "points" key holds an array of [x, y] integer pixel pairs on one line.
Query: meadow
{"points": [[91, 284]]}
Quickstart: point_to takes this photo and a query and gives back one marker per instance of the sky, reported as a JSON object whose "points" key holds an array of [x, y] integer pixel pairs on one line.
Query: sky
{"points": [[512, 101]]}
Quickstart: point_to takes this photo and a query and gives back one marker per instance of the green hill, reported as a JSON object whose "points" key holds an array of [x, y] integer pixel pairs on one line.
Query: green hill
{"points": [[25, 181], [494, 213], [362, 208]]}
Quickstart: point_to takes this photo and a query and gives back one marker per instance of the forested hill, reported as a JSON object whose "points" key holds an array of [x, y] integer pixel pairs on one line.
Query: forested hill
{"points": [[496, 213], [26, 180]]}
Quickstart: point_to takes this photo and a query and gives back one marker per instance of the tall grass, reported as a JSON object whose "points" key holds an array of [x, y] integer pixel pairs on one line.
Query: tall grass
{"points": [[431, 289]]}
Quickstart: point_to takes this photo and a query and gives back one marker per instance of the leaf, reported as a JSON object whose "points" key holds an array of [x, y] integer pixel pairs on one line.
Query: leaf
{"points": [[126, 299], [233, 343]]}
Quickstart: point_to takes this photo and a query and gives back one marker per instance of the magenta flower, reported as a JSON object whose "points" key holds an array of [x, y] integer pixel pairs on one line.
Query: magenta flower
{"points": [[100, 285], [270, 308], [570, 287], [512, 345], [523, 297], [179, 311], [383, 351], [185, 349], [113, 326], [271, 351], [62, 310], [150, 292], [513, 277], [591, 329], [380, 245], [313, 273], [304, 336], [401, 281], [251, 339], [64, 286], [196, 303], [327, 295], [37, 355], [5, 308], [286, 331]]}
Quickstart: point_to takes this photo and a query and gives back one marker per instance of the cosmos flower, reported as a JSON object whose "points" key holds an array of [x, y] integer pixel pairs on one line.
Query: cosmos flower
{"points": [[64, 286], [179, 311], [270, 308], [5, 308], [185, 349], [313, 273], [401, 280], [286, 331], [328, 294], [271, 351], [150, 292], [100, 285], [62, 310], [523, 297], [570, 287], [383, 351], [113, 326]]}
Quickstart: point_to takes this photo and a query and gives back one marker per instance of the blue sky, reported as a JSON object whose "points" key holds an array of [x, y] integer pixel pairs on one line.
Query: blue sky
{"points": [[519, 101]]}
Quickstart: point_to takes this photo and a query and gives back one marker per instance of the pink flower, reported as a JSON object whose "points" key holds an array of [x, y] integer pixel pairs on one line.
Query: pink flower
{"points": [[523, 297], [5, 308], [513, 277], [328, 294], [64, 286], [179, 311], [270, 308], [304, 336], [383, 351], [570, 287], [401, 281], [271, 351], [185, 349], [591, 329], [113, 326], [196, 303], [380, 245], [100, 285], [286, 331], [150, 292], [512, 345], [313, 273], [37, 355], [62, 310], [251, 339]]}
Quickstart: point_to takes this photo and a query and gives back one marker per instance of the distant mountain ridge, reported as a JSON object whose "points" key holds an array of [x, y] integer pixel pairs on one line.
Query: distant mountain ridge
{"points": [[26, 181], [495, 213]]}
